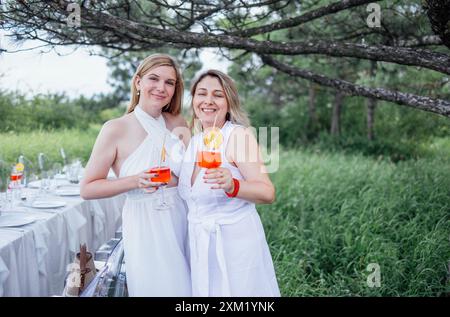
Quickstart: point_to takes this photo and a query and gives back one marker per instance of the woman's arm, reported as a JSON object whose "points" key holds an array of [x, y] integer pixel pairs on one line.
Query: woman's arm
{"points": [[95, 183], [244, 151]]}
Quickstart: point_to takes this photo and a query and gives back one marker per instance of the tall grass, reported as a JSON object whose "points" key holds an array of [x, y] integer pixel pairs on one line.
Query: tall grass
{"points": [[76, 143], [335, 214]]}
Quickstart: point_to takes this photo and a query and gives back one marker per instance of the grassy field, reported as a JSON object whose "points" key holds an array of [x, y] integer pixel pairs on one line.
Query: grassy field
{"points": [[77, 144], [335, 214]]}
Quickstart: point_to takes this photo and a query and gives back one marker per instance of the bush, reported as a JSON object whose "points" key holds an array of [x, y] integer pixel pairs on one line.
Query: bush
{"points": [[111, 113], [397, 150], [399, 131], [50, 111]]}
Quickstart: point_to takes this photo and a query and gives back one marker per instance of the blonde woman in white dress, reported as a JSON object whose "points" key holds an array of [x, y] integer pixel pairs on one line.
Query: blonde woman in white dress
{"points": [[228, 249], [155, 241]]}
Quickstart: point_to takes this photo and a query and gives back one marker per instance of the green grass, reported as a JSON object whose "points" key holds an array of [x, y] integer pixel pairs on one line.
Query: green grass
{"points": [[76, 143], [335, 214]]}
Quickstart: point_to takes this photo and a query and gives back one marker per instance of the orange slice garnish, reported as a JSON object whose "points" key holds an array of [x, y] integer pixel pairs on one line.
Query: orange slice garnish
{"points": [[213, 139]]}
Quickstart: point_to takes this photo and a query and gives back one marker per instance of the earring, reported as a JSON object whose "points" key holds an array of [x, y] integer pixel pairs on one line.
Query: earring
{"points": [[138, 92]]}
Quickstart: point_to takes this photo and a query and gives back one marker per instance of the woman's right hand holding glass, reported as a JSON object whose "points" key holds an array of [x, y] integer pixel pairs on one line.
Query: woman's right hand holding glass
{"points": [[146, 184]]}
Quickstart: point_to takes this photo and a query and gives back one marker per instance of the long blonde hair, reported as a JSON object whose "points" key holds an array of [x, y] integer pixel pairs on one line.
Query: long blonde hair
{"points": [[150, 62], [235, 113]]}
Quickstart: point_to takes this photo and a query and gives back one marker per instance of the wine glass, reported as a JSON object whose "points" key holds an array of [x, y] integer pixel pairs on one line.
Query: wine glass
{"points": [[4, 185], [164, 176], [45, 183], [3, 193], [57, 169], [15, 179], [209, 155]]}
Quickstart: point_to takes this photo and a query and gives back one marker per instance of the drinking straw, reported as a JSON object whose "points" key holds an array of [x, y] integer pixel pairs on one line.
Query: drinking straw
{"points": [[162, 151], [213, 128]]}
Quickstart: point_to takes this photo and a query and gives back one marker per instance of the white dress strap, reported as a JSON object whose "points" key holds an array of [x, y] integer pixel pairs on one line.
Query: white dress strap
{"points": [[157, 130], [150, 124]]}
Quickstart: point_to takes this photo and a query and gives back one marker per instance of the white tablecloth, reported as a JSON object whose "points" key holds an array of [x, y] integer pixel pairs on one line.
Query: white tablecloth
{"points": [[34, 257]]}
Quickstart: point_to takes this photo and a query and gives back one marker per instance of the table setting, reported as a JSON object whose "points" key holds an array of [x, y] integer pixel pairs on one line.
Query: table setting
{"points": [[42, 224]]}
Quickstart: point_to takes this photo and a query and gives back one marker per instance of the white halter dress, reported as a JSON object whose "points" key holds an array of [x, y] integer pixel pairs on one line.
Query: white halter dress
{"points": [[228, 248], [155, 241]]}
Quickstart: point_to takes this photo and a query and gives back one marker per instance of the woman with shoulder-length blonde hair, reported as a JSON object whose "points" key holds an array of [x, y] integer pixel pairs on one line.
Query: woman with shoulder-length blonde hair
{"points": [[235, 113], [229, 252], [142, 149]]}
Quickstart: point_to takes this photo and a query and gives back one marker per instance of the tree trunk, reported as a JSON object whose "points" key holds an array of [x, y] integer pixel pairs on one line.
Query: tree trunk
{"points": [[371, 104], [312, 114], [336, 119]]}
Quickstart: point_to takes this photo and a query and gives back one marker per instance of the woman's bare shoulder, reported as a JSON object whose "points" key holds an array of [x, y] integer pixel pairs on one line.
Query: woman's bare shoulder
{"points": [[117, 126]]}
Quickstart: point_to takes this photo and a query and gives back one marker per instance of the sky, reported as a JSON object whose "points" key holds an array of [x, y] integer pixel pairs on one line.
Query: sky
{"points": [[64, 70]]}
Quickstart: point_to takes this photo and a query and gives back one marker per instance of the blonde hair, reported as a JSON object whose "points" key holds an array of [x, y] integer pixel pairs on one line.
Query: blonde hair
{"points": [[235, 113], [150, 62]]}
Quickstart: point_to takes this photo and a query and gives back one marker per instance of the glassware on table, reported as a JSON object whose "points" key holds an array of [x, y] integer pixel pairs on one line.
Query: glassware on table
{"points": [[28, 170], [57, 169], [44, 184], [73, 173], [14, 185], [4, 185], [4, 197], [42, 162], [3, 202]]}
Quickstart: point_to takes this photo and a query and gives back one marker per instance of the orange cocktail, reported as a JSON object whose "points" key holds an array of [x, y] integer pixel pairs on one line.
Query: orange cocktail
{"points": [[208, 159], [163, 174], [16, 176]]}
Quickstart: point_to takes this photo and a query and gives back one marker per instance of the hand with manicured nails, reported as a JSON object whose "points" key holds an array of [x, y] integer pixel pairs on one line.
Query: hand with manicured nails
{"points": [[144, 182], [221, 177]]}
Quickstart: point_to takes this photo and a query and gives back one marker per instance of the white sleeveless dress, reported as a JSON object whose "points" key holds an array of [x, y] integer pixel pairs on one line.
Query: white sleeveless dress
{"points": [[155, 241], [228, 248]]}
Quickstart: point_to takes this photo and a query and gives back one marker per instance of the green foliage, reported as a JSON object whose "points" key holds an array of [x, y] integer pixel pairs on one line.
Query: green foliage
{"points": [[50, 111], [337, 213], [111, 113], [399, 131], [76, 143]]}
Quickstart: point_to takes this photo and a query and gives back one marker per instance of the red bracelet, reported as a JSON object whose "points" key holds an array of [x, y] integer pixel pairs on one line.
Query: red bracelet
{"points": [[236, 189]]}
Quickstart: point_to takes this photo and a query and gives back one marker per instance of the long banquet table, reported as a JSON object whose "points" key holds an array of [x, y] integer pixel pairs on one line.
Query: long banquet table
{"points": [[34, 258]]}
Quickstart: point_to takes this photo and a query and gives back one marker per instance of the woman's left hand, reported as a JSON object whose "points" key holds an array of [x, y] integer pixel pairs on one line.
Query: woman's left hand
{"points": [[221, 177]]}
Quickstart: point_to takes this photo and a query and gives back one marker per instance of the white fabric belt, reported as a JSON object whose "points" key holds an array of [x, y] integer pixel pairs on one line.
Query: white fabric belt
{"points": [[201, 229]]}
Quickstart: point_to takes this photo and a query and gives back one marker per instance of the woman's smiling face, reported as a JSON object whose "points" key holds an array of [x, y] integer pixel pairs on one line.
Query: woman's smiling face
{"points": [[157, 86], [209, 101]]}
